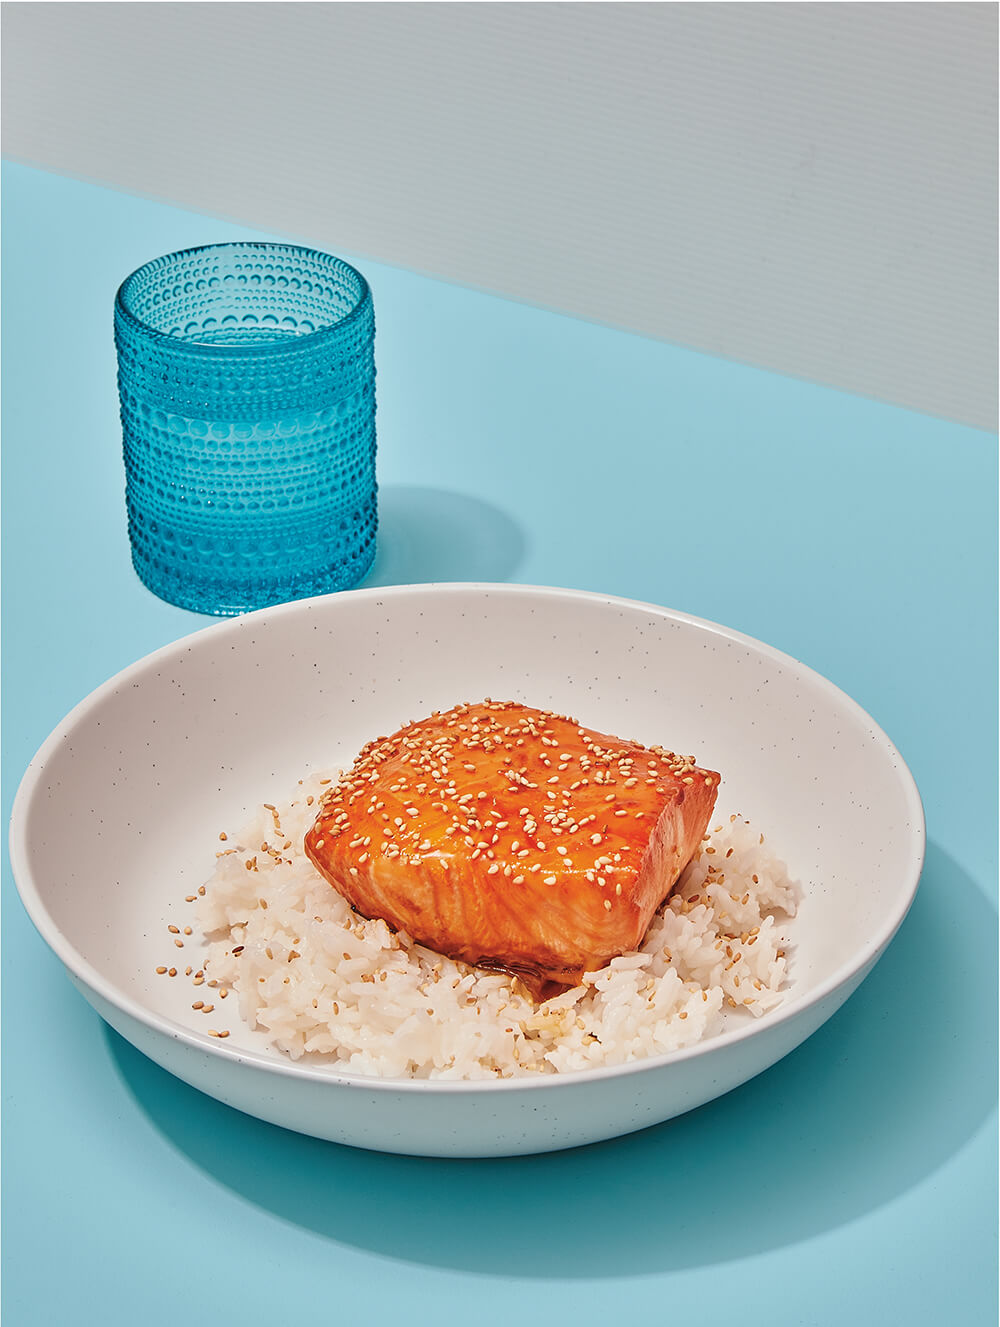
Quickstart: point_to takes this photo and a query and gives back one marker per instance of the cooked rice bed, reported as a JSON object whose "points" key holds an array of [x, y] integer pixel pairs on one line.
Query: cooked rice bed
{"points": [[322, 981]]}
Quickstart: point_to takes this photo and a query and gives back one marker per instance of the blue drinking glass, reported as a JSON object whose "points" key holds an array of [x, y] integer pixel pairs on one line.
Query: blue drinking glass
{"points": [[246, 375]]}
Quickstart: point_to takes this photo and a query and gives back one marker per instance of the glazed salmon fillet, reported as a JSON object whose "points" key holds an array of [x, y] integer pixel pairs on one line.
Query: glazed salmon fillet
{"points": [[509, 837]]}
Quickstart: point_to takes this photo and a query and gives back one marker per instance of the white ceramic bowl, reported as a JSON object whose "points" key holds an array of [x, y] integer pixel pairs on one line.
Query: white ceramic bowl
{"points": [[117, 818]]}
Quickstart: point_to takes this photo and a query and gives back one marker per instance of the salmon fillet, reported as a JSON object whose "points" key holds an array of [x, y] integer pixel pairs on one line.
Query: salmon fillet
{"points": [[508, 837]]}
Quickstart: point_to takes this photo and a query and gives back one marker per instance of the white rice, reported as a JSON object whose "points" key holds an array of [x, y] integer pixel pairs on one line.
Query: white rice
{"points": [[324, 983]]}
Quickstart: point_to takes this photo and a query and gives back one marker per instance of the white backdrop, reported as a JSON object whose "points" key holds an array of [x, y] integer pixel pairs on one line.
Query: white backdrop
{"points": [[805, 187]]}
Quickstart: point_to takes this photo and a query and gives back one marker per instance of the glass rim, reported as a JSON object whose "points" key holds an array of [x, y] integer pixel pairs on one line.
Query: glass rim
{"points": [[279, 346]]}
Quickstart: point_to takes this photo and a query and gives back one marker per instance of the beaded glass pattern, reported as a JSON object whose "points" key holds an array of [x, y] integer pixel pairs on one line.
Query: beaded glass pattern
{"points": [[246, 375]]}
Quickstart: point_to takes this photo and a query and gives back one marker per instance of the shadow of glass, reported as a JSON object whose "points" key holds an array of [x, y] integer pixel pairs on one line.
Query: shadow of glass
{"points": [[431, 534], [876, 1100]]}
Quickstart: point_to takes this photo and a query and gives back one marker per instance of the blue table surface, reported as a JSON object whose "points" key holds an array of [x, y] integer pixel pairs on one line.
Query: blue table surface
{"points": [[855, 1180]]}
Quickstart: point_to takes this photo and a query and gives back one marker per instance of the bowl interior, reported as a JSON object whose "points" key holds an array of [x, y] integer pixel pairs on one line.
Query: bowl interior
{"points": [[119, 816]]}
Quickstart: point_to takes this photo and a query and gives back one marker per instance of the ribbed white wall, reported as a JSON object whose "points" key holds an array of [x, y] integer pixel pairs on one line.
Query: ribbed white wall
{"points": [[806, 187]]}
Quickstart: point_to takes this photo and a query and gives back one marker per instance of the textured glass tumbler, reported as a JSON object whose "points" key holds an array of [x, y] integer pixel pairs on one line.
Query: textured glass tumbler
{"points": [[246, 375]]}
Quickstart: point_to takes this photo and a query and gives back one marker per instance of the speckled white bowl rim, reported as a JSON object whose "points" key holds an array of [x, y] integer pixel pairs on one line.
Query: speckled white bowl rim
{"points": [[791, 1008]]}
